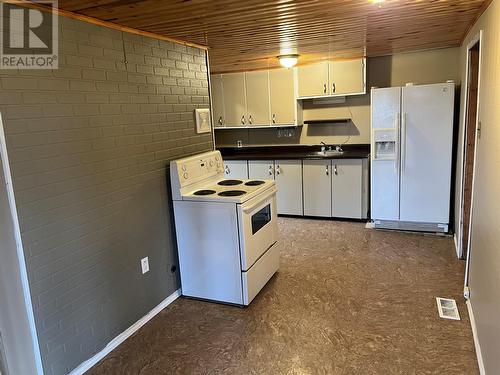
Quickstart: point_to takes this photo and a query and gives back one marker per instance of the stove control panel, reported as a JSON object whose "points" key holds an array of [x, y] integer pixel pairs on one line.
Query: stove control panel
{"points": [[197, 168]]}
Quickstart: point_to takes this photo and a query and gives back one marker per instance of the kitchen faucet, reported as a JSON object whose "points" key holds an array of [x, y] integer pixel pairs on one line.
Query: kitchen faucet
{"points": [[338, 148]]}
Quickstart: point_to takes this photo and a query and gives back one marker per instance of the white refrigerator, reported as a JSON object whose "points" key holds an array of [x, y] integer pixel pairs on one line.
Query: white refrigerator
{"points": [[412, 136]]}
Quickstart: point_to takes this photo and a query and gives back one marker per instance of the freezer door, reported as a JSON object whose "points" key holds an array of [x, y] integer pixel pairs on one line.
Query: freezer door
{"points": [[385, 115], [426, 149]]}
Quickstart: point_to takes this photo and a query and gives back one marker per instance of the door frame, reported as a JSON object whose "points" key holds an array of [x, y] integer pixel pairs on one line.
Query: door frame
{"points": [[478, 38], [34, 353]]}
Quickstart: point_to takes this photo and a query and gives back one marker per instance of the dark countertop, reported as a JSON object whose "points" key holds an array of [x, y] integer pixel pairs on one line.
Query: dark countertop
{"points": [[291, 152]]}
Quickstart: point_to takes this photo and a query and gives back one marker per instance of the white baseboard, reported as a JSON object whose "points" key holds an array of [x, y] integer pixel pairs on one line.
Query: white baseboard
{"points": [[476, 340], [81, 369]]}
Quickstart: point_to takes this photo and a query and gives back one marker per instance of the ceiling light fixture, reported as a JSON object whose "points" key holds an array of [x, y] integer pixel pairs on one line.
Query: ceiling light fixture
{"points": [[378, 3], [288, 61]]}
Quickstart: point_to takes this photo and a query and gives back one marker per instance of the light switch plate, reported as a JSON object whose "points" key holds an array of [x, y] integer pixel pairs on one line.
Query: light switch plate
{"points": [[202, 119], [145, 265]]}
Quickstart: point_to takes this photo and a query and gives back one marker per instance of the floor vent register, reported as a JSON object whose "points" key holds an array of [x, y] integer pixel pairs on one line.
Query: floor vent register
{"points": [[447, 308]]}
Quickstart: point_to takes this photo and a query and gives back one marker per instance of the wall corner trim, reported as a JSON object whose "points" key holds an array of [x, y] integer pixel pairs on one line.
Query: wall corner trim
{"points": [[113, 344], [455, 240], [479, 356]]}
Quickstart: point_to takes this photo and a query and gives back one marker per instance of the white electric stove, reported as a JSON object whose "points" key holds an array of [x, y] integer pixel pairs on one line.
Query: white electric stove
{"points": [[226, 230]]}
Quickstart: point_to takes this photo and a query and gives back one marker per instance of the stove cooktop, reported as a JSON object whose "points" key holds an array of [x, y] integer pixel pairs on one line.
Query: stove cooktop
{"points": [[204, 192], [254, 183], [229, 182], [231, 193]]}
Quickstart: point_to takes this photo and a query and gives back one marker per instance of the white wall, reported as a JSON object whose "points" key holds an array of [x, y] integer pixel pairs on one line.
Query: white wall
{"points": [[484, 279], [14, 326]]}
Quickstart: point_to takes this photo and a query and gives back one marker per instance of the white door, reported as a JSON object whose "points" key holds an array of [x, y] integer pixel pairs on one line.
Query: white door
{"points": [[426, 150], [288, 177], [347, 188], [236, 169], [313, 79], [257, 89], [282, 92], [385, 115], [317, 188], [217, 100], [235, 104], [261, 169]]}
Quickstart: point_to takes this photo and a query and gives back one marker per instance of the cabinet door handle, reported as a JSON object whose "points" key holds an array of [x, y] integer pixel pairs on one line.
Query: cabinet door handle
{"points": [[270, 171], [335, 170], [333, 87], [324, 88], [243, 119], [327, 171], [220, 120], [278, 169], [274, 118], [227, 169], [250, 120]]}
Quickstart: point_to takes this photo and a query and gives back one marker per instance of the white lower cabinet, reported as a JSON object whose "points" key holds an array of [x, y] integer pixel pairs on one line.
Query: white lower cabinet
{"points": [[237, 169], [347, 188], [261, 169], [288, 175], [317, 188], [322, 187]]}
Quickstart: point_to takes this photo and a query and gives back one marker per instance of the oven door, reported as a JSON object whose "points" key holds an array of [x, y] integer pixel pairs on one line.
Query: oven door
{"points": [[258, 227]]}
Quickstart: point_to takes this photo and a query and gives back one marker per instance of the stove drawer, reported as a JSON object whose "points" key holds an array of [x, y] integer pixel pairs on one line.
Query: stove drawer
{"points": [[260, 273], [258, 226]]}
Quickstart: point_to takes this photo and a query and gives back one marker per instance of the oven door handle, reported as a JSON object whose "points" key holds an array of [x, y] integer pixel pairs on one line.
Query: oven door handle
{"points": [[267, 195]]}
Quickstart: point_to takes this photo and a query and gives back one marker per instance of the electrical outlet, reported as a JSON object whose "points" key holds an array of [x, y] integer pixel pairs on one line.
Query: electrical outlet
{"points": [[145, 265]]}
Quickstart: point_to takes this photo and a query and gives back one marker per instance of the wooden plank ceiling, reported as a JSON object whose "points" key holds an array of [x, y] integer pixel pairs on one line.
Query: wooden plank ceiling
{"points": [[249, 34]]}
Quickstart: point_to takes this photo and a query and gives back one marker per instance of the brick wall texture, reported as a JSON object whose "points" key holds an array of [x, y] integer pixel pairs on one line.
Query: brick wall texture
{"points": [[89, 145]]}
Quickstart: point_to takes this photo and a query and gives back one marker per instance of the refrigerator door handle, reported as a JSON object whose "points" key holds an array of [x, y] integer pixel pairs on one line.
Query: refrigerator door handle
{"points": [[403, 138], [396, 150]]}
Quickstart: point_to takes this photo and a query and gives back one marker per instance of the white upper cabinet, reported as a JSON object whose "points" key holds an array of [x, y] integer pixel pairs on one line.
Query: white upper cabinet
{"points": [[313, 79], [347, 77], [334, 77], [235, 104], [257, 93], [257, 98], [217, 100], [282, 95]]}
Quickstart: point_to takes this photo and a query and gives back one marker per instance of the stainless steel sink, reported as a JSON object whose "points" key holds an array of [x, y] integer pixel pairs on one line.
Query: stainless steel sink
{"points": [[327, 153]]}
